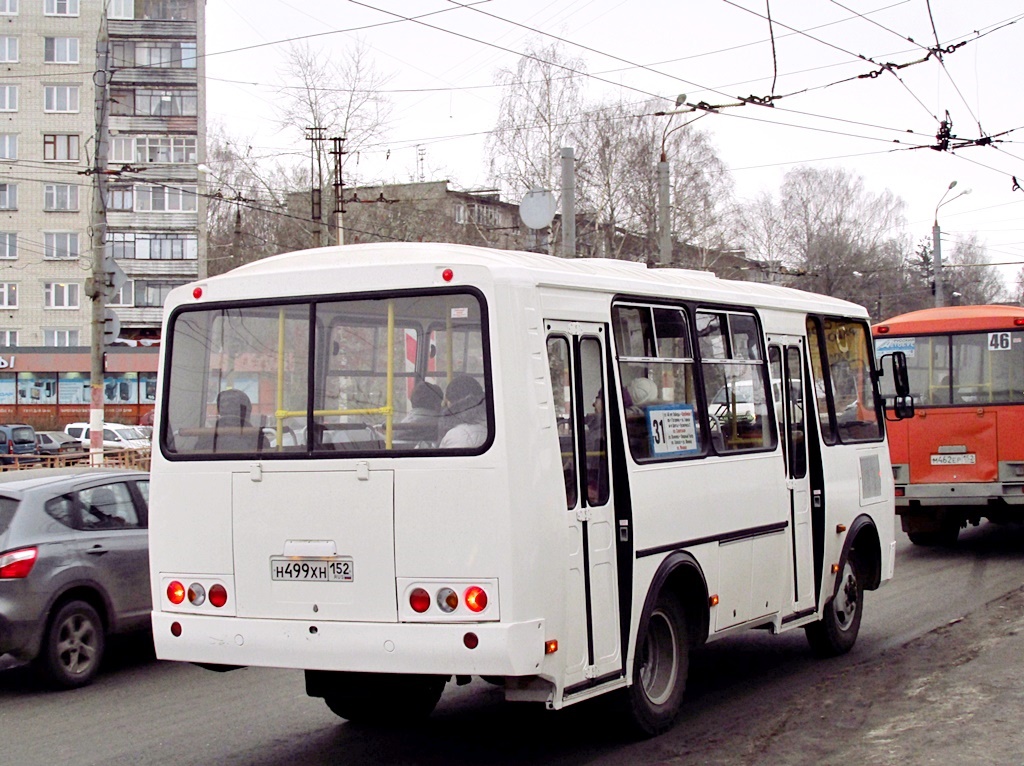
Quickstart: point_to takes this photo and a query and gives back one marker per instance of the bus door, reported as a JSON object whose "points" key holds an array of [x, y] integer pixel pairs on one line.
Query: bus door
{"points": [[577, 355], [786, 364]]}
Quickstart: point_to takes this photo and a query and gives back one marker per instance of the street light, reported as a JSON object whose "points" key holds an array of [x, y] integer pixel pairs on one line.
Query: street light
{"points": [[937, 241], [665, 232]]}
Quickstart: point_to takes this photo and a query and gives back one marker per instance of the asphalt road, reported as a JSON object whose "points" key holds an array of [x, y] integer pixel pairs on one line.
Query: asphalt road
{"points": [[145, 712]]}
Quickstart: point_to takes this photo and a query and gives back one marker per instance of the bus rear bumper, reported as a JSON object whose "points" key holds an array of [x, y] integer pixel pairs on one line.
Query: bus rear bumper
{"points": [[918, 495], [502, 649]]}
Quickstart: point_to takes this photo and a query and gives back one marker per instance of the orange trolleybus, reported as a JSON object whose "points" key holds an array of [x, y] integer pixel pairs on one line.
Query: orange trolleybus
{"points": [[961, 458]]}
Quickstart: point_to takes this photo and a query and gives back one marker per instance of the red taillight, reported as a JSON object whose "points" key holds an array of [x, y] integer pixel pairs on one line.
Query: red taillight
{"points": [[218, 595], [17, 564], [175, 592], [900, 492], [476, 599], [882, 329], [419, 600]]}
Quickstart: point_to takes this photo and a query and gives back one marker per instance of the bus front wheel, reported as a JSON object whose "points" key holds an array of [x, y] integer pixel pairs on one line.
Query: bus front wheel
{"points": [[660, 668], [382, 699], [836, 632]]}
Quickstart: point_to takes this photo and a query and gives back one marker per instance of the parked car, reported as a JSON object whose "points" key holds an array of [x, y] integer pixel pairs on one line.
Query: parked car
{"points": [[17, 443], [74, 566], [115, 435], [56, 443]]}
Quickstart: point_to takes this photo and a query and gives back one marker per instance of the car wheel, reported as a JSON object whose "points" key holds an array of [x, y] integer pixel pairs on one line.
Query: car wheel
{"points": [[73, 646]]}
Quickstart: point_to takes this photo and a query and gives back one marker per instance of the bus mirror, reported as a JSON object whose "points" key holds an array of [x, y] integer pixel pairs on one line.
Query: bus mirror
{"points": [[903, 402], [900, 376]]}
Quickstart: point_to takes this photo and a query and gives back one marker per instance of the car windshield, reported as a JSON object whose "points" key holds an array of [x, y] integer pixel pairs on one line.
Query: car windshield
{"points": [[23, 435]]}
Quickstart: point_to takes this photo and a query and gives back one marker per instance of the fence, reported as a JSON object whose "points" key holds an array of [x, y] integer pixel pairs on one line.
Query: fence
{"points": [[137, 459]]}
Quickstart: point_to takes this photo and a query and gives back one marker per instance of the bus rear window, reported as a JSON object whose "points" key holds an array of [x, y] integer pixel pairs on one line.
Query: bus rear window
{"points": [[319, 378]]}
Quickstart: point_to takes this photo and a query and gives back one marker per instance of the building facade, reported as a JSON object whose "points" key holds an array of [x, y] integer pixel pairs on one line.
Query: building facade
{"points": [[155, 128]]}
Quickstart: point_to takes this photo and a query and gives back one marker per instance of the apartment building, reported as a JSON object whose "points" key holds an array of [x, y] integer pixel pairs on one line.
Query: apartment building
{"points": [[156, 136]]}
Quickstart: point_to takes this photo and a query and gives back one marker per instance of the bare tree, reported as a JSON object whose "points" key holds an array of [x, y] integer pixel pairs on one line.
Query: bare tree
{"points": [[968, 278], [541, 99], [330, 98], [837, 231]]}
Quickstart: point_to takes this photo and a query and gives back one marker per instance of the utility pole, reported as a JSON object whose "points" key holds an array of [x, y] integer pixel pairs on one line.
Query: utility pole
{"points": [[937, 263], [568, 203], [315, 136], [339, 188], [98, 224], [664, 230]]}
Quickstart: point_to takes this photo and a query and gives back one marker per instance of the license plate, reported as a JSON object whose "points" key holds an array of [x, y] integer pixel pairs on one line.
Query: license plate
{"points": [[968, 459], [312, 569]]}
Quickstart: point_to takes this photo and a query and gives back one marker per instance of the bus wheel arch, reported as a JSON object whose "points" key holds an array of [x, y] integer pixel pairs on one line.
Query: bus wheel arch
{"points": [[674, 619]]}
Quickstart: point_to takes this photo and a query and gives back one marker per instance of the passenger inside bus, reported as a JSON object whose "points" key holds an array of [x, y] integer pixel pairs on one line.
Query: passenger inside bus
{"points": [[638, 393], [419, 427], [232, 432], [464, 417]]}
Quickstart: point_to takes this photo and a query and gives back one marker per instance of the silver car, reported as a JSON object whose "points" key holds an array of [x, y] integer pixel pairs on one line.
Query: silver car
{"points": [[74, 566]]}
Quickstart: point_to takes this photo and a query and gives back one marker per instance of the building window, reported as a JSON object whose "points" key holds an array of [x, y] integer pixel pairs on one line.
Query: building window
{"points": [[8, 196], [9, 295], [8, 245], [60, 50], [60, 98], [165, 103], [121, 244], [8, 50], [165, 199], [166, 55], [60, 7], [153, 294], [8, 146], [119, 198], [121, 9], [8, 7], [166, 247], [165, 149], [122, 149], [60, 245], [60, 338], [128, 245], [60, 197], [122, 102], [8, 98], [60, 295], [123, 297], [60, 147], [9, 338], [166, 10]]}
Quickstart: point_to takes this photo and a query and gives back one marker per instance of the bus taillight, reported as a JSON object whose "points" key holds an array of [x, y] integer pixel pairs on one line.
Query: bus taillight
{"points": [[175, 592], [476, 599], [419, 600], [218, 595]]}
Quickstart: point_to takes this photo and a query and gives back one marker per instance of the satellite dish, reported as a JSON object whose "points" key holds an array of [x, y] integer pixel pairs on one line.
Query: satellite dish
{"points": [[537, 209]]}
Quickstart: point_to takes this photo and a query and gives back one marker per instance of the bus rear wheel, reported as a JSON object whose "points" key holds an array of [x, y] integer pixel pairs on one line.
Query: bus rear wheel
{"points": [[659, 669], [383, 699], [836, 632]]}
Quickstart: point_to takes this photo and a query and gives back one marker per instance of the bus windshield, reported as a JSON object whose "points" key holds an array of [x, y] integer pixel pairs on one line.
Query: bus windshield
{"points": [[406, 373], [963, 368]]}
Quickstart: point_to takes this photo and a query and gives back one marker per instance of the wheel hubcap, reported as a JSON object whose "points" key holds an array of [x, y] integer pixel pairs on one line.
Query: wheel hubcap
{"points": [[76, 644], [660, 661], [846, 601]]}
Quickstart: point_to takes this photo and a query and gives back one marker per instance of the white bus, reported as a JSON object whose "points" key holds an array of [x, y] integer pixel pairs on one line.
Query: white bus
{"points": [[394, 465]]}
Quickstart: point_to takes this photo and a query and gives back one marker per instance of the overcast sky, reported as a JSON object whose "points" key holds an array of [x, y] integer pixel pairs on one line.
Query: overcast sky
{"points": [[442, 70]]}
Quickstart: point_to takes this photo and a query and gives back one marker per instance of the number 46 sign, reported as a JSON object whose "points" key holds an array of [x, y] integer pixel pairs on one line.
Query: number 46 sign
{"points": [[999, 341]]}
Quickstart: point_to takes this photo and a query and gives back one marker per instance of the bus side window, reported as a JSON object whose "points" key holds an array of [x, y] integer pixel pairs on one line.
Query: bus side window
{"points": [[561, 396]]}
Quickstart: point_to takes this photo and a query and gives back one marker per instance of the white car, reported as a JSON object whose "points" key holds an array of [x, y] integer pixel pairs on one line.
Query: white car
{"points": [[115, 435]]}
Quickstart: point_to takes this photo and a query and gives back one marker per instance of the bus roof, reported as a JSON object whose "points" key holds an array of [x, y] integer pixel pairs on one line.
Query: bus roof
{"points": [[952, 319], [604, 274]]}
